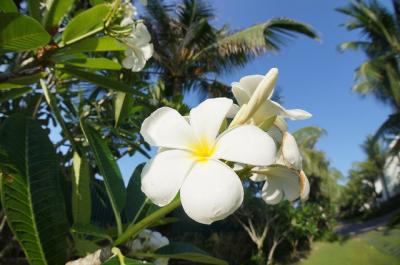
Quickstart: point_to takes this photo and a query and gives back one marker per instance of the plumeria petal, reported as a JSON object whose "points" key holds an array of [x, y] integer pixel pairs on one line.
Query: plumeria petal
{"points": [[211, 192], [283, 180], [258, 177], [163, 175], [246, 144], [293, 114], [206, 119], [304, 186], [240, 94], [147, 51], [290, 152], [141, 35], [233, 111], [249, 83], [271, 193], [165, 127]]}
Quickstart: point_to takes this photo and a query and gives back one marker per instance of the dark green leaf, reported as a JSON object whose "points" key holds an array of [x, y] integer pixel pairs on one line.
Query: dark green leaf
{"points": [[187, 252], [99, 80], [19, 82], [34, 9], [135, 198], [86, 23], [94, 63], [13, 93], [81, 198], [32, 197], [21, 33], [96, 44], [57, 11], [109, 170], [8, 6]]}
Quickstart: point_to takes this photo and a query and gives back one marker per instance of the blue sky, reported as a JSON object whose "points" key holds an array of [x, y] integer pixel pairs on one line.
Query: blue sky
{"points": [[314, 76]]}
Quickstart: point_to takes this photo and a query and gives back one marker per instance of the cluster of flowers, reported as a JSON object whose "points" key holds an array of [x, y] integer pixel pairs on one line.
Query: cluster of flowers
{"points": [[149, 241], [205, 154], [136, 37]]}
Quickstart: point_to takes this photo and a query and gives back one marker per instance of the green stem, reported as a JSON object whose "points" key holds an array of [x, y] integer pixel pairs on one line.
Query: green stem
{"points": [[134, 229], [139, 212], [53, 106]]}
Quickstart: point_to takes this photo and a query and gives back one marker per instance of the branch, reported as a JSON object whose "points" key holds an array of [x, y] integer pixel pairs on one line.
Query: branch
{"points": [[95, 258]]}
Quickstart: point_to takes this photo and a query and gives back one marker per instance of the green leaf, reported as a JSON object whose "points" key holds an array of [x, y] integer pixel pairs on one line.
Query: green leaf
{"points": [[86, 23], [94, 63], [34, 9], [19, 82], [8, 6], [187, 252], [122, 105], [128, 261], [96, 44], [21, 33], [109, 170], [135, 198], [31, 197], [81, 196], [91, 230], [13, 93], [84, 247], [101, 81], [57, 11], [96, 2]]}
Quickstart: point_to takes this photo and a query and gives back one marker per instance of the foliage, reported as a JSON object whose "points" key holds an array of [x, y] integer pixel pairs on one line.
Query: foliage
{"points": [[190, 52], [380, 74], [69, 111]]}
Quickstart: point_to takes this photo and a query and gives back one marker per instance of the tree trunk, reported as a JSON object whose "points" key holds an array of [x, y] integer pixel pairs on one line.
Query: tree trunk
{"points": [[271, 253], [260, 255]]}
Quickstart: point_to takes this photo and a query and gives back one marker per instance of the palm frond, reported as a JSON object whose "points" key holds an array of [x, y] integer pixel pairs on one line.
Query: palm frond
{"points": [[267, 36]]}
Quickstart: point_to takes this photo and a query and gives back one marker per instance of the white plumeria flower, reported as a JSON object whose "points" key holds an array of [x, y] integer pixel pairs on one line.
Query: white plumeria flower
{"points": [[190, 161], [287, 181], [140, 49], [255, 92], [149, 240]]}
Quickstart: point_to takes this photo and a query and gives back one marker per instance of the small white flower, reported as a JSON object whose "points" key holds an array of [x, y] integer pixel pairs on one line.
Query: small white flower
{"points": [[140, 49], [149, 240], [255, 92], [209, 189]]}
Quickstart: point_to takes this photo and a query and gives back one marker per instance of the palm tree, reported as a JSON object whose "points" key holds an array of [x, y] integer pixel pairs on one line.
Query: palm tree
{"points": [[373, 166], [190, 51], [379, 75]]}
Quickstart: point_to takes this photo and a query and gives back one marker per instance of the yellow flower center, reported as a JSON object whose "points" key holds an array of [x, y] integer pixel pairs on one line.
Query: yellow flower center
{"points": [[202, 150]]}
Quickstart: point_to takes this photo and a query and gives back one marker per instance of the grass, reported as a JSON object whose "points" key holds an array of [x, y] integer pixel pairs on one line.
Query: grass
{"points": [[372, 248]]}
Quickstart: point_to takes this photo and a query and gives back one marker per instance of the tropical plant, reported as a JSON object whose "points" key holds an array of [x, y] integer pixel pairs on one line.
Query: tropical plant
{"points": [[190, 52], [380, 74], [69, 111], [360, 194]]}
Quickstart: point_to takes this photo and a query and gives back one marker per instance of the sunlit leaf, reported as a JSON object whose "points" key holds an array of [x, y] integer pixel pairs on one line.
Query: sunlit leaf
{"points": [[21, 33], [86, 23]]}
